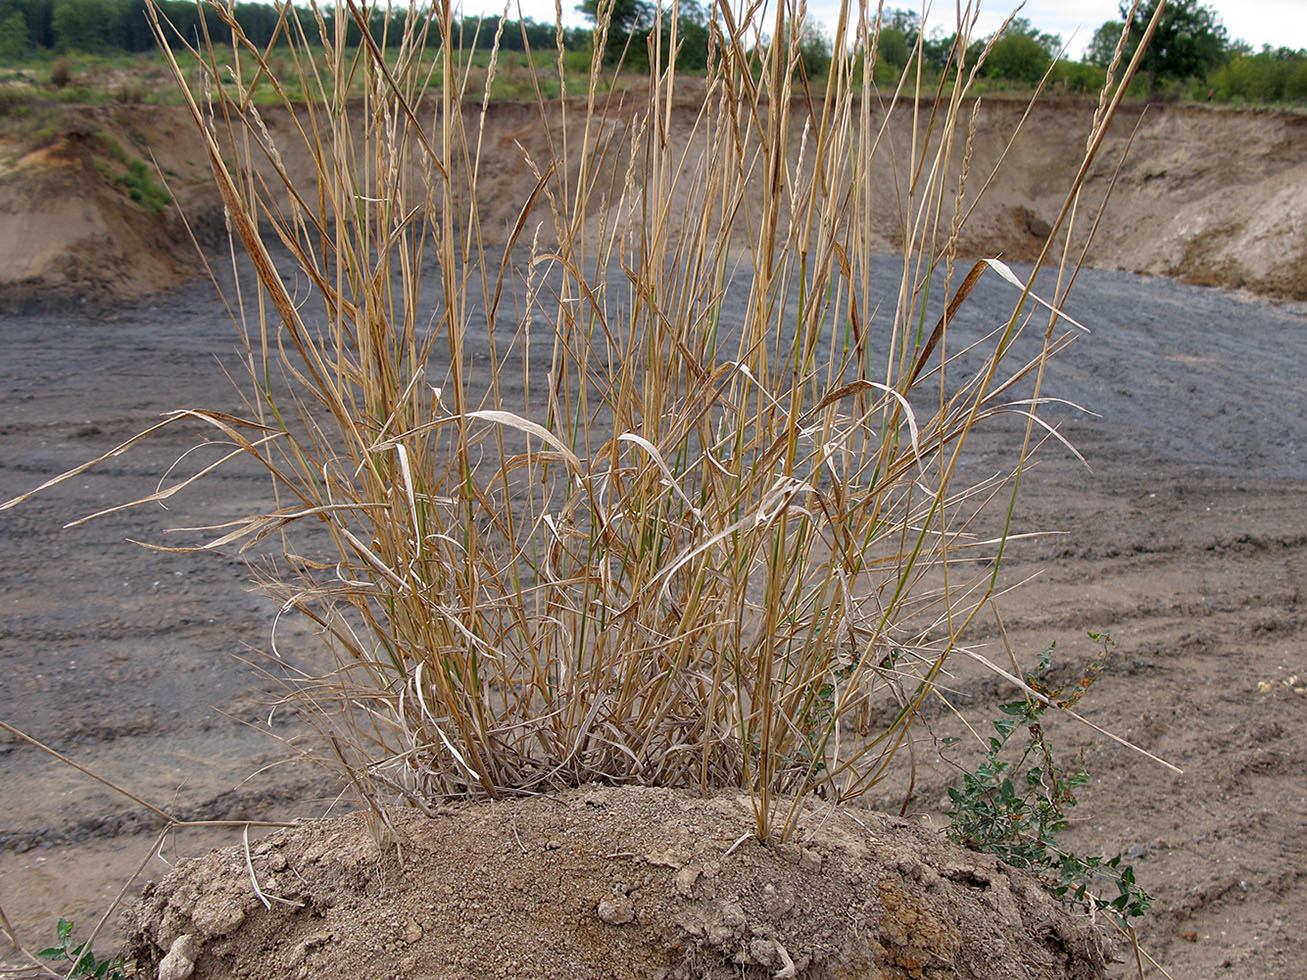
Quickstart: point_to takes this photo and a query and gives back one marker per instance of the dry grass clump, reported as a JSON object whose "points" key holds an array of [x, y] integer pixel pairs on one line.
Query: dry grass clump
{"points": [[663, 488]]}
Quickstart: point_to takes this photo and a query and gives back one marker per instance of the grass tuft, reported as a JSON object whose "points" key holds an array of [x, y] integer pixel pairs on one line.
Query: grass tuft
{"points": [[659, 483]]}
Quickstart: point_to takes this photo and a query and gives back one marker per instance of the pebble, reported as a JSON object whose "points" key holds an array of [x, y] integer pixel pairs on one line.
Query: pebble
{"points": [[217, 915], [179, 963], [616, 910], [762, 951], [685, 879]]}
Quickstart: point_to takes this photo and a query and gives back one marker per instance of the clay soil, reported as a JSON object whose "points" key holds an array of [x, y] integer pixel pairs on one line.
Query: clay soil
{"points": [[598, 882]]}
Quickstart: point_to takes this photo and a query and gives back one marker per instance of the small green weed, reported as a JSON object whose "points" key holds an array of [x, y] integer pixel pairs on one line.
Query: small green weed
{"points": [[137, 182], [79, 959], [108, 146], [1015, 808], [142, 188]]}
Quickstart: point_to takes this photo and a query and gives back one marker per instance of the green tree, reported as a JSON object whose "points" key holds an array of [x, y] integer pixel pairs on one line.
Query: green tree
{"points": [[629, 22], [1269, 76], [905, 22], [258, 21], [1021, 27], [15, 42], [38, 15], [937, 50], [814, 50], [1021, 53], [892, 47], [1189, 41], [1103, 45], [1018, 57], [693, 30], [80, 25], [130, 27], [895, 44], [1078, 77], [1295, 82]]}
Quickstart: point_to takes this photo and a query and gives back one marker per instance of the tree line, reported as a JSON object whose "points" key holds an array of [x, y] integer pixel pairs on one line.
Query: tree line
{"points": [[1190, 53], [93, 26], [1190, 47]]}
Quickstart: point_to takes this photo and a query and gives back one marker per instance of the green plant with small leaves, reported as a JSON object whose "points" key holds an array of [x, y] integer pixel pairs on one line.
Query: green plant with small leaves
{"points": [[1015, 805], [131, 175], [76, 960]]}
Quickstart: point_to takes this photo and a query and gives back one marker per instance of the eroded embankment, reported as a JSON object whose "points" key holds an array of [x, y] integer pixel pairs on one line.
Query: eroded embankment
{"points": [[1214, 197]]}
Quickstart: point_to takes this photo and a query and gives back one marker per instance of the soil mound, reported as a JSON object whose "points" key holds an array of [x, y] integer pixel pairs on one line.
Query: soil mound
{"points": [[603, 882], [69, 234]]}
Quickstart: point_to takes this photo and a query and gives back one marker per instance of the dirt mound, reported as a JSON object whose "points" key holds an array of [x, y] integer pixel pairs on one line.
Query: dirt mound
{"points": [[70, 233], [609, 883]]}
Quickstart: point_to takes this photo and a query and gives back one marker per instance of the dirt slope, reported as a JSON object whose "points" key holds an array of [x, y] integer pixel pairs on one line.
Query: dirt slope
{"points": [[1209, 196], [1213, 197], [67, 234]]}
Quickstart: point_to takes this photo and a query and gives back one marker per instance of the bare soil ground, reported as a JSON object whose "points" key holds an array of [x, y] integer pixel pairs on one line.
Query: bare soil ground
{"points": [[1187, 540]]}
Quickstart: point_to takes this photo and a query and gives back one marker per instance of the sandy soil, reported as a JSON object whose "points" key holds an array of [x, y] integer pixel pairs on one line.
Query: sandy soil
{"points": [[1187, 540], [1210, 196]]}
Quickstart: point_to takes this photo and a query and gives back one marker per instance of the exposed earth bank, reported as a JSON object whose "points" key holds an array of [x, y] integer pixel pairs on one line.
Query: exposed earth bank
{"points": [[1214, 197]]}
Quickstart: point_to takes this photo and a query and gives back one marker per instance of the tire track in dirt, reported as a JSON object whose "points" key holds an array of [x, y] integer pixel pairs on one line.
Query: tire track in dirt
{"points": [[1198, 578]]}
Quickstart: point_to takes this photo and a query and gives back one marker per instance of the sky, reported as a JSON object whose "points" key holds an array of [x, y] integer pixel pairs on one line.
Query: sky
{"points": [[1275, 22]]}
